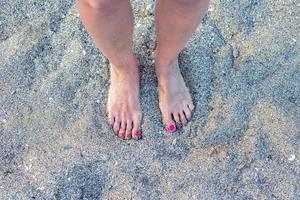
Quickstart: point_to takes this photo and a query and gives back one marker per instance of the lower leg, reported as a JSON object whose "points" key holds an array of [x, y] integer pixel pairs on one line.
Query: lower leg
{"points": [[110, 24], [176, 20]]}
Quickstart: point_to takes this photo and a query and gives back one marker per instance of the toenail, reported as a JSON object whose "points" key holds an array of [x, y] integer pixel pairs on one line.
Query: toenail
{"points": [[137, 134], [171, 128], [179, 125], [121, 134], [128, 137]]}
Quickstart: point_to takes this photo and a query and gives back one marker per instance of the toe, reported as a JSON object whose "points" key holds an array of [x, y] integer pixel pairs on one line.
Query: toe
{"points": [[176, 117], [169, 123], [187, 113], [116, 125], [122, 129], [128, 130], [136, 129], [111, 120], [191, 107], [183, 119]]}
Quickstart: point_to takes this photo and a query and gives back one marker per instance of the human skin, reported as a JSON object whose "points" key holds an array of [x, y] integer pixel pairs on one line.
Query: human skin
{"points": [[110, 24], [175, 21]]}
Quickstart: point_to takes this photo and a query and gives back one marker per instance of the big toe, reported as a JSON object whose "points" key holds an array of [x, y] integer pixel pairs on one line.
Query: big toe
{"points": [[136, 130], [169, 123]]}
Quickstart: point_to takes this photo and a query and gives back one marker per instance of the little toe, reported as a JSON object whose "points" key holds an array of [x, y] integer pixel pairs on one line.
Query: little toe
{"points": [[111, 120], [116, 125], [136, 130], [128, 130], [191, 107]]}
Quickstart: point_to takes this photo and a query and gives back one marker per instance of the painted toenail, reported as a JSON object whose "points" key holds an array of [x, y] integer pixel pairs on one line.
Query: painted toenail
{"points": [[171, 128], [137, 134]]}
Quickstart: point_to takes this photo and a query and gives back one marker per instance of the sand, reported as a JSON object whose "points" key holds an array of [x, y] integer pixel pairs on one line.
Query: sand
{"points": [[242, 66]]}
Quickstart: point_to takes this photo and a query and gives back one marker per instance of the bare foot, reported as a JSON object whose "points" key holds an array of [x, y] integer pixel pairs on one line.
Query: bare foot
{"points": [[123, 106], [175, 101]]}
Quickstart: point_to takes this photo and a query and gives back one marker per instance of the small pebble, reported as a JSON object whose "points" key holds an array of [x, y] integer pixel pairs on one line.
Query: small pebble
{"points": [[98, 101], [67, 146], [258, 180], [40, 188], [28, 167], [81, 155], [13, 91], [110, 187], [174, 142], [286, 56], [75, 106], [292, 157], [150, 8]]}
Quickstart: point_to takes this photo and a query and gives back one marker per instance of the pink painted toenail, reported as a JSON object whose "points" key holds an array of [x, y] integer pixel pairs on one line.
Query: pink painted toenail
{"points": [[137, 134], [171, 128]]}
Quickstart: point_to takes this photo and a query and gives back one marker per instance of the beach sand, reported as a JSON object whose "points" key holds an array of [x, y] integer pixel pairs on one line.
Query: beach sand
{"points": [[242, 66]]}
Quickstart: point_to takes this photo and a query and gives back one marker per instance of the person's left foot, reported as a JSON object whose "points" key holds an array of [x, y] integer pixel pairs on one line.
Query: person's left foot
{"points": [[175, 101]]}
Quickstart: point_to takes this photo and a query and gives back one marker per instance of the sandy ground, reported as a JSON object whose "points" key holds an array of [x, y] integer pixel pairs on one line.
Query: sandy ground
{"points": [[242, 66]]}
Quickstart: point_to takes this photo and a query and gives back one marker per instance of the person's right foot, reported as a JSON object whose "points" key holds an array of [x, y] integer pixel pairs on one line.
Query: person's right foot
{"points": [[123, 106]]}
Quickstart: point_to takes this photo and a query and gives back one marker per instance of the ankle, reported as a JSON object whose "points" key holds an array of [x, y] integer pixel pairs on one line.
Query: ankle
{"points": [[164, 68], [124, 63], [163, 61]]}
